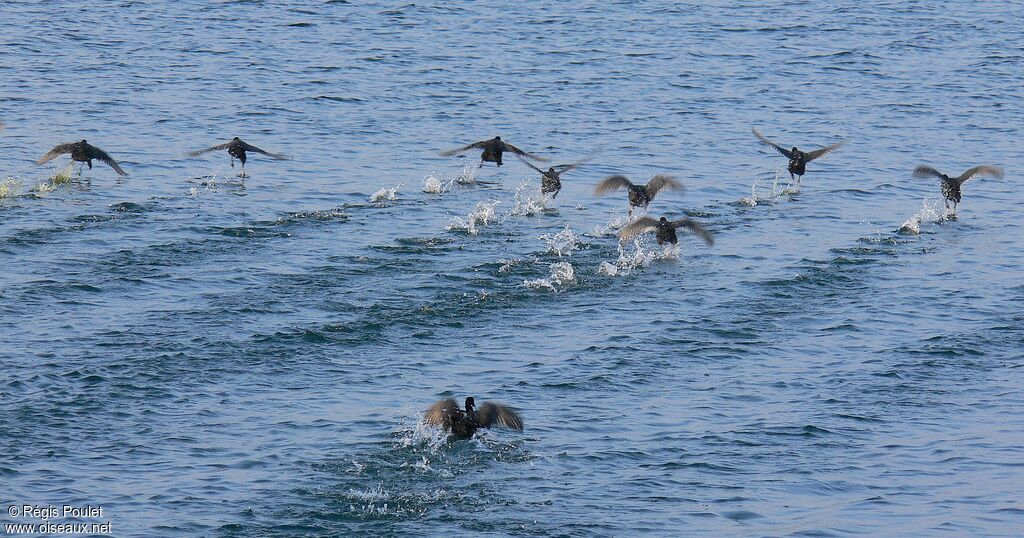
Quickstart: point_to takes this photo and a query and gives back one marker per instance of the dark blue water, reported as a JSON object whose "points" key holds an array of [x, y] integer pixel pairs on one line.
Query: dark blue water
{"points": [[202, 355]]}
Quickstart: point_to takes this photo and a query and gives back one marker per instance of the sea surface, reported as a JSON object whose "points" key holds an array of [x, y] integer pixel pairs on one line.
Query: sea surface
{"points": [[204, 355]]}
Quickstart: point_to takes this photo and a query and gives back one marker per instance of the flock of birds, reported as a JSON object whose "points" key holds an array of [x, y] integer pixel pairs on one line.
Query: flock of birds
{"points": [[446, 414]]}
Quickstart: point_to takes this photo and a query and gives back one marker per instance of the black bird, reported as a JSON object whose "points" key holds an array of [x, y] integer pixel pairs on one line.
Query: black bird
{"points": [[236, 149], [463, 424], [551, 180], [82, 152], [665, 230], [493, 149], [798, 159], [951, 185], [639, 195]]}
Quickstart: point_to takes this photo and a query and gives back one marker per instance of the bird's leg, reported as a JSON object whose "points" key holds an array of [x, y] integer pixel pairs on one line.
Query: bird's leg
{"points": [[480, 164], [242, 175], [232, 162]]}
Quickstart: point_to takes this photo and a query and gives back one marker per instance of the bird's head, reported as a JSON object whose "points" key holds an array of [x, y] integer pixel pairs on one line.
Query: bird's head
{"points": [[662, 220], [794, 150], [551, 170], [236, 138], [83, 141], [497, 138], [470, 404]]}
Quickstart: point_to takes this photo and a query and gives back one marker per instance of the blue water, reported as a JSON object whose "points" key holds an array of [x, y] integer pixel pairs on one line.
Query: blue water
{"points": [[202, 355]]}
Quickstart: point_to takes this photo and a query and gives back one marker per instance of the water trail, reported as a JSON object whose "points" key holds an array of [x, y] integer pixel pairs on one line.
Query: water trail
{"points": [[385, 194], [615, 223], [562, 243], [482, 215], [931, 211], [562, 275]]}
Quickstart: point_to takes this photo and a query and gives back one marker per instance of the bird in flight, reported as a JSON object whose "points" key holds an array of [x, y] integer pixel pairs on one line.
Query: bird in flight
{"points": [[82, 152]]}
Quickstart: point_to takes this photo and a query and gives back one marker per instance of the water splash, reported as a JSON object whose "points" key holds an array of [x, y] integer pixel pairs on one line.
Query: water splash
{"points": [[9, 187], [638, 257], [528, 201], [433, 185], [468, 175], [63, 175], [562, 274], [613, 225], [931, 211], [562, 243], [385, 195], [482, 215], [759, 193]]}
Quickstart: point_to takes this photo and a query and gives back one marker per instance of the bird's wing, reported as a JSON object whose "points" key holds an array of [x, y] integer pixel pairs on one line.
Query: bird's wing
{"points": [[254, 149], [824, 151], [662, 182], [777, 147], [57, 151], [490, 413], [479, 144], [100, 155], [926, 172], [528, 163], [695, 228], [641, 225], [563, 168], [613, 183], [441, 412], [989, 171], [209, 149], [517, 151]]}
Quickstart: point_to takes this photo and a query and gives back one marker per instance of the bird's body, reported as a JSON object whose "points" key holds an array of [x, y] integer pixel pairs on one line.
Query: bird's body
{"points": [[493, 150], [951, 186], [463, 424], [665, 230], [639, 195], [237, 149], [82, 152], [797, 159], [551, 179]]}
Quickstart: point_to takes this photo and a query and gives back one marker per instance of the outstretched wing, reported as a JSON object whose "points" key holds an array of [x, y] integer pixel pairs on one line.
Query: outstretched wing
{"points": [[695, 228], [528, 163], [777, 147], [57, 151], [490, 414], [254, 149], [824, 151], [989, 171], [563, 168], [517, 151], [926, 172], [207, 150], [100, 155], [441, 413], [662, 182], [640, 226], [613, 183], [451, 152]]}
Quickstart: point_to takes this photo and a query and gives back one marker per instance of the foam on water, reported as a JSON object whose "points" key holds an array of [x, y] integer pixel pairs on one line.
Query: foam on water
{"points": [[562, 274], [481, 215]]}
